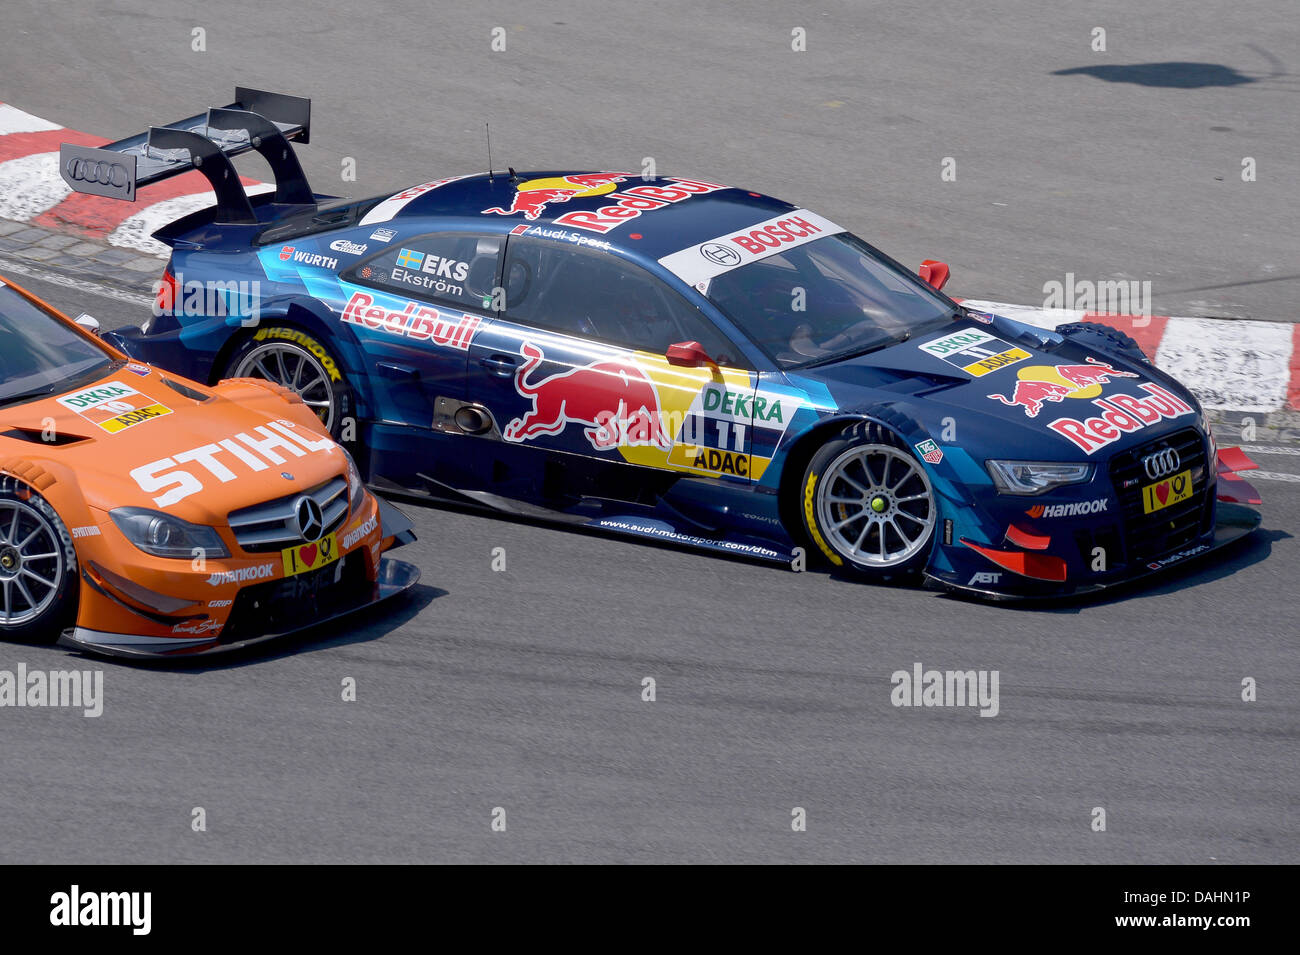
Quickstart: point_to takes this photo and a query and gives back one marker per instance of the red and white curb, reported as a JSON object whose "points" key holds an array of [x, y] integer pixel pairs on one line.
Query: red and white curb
{"points": [[1234, 365], [32, 191]]}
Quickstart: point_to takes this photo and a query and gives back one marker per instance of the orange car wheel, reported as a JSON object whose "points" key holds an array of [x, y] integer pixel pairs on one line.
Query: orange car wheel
{"points": [[38, 568]]}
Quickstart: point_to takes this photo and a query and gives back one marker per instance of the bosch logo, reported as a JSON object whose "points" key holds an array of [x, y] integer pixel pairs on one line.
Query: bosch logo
{"points": [[1161, 464], [720, 255], [311, 521], [101, 172]]}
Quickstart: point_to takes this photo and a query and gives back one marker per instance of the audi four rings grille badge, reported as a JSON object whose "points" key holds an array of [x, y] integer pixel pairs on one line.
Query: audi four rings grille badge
{"points": [[311, 520], [1161, 464]]}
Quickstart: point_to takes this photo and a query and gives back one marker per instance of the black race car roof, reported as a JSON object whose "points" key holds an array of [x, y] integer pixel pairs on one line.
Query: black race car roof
{"points": [[646, 217]]}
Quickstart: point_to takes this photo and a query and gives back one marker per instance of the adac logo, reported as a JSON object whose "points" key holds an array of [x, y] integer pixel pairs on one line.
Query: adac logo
{"points": [[533, 195], [1037, 384]]}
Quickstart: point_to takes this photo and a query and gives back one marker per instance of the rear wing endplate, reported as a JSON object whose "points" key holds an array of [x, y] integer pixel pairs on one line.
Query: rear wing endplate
{"points": [[257, 120]]}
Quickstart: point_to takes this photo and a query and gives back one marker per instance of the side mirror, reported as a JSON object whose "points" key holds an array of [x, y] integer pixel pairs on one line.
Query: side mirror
{"points": [[688, 355], [933, 273], [89, 322]]}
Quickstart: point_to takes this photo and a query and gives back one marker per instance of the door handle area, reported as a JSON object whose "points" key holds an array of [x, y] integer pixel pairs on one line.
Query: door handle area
{"points": [[503, 365]]}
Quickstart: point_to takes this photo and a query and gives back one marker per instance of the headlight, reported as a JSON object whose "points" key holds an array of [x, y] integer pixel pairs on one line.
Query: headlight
{"points": [[356, 487], [1035, 477], [165, 536]]}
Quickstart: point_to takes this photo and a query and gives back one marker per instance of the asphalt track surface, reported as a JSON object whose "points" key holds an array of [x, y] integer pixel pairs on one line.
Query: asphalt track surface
{"points": [[522, 689]]}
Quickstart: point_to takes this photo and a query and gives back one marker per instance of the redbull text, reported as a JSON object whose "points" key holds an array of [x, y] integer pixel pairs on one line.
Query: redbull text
{"points": [[1120, 415], [420, 322]]}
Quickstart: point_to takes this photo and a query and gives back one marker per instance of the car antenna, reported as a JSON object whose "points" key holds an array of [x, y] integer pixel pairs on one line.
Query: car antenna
{"points": [[488, 129], [514, 176]]}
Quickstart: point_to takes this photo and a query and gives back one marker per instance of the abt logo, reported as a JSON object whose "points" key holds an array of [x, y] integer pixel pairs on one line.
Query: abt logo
{"points": [[984, 577]]}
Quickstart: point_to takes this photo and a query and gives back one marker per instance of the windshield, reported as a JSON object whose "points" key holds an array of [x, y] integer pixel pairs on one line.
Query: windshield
{"points": [[39, 354], [828, 299]]}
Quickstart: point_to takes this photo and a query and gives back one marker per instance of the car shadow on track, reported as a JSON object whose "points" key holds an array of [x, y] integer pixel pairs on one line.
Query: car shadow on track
{"points": [[1171, 75]]}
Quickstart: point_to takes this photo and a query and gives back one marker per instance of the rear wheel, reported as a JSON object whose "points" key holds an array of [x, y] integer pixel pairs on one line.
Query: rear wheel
{"points": [[290, 357], [868, 504], [38, 568]]}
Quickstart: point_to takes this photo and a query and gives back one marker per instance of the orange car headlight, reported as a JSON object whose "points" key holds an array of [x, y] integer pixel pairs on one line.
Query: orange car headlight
{"points": [[166, 536], [356, 487]]}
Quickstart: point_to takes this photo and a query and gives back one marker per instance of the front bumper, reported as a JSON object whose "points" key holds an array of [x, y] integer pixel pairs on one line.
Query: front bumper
{"points": [[1232, 523], [394, 577]]}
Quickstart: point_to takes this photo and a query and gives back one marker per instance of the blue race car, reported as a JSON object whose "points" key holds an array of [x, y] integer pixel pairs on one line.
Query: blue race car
{"points": [[675, 359]]}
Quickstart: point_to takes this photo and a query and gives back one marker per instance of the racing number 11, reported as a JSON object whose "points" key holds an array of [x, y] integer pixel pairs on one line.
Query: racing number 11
{"points": [[731, 436]]}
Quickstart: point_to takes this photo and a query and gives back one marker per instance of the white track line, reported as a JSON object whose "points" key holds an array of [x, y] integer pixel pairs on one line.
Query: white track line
{"points": [[1271, 476], [30, 185], [14, 267], [14, 120], [1269, 449]]}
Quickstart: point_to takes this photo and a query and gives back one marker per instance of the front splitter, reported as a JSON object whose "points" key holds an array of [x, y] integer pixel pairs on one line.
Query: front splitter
{"points": [[395, 577], [1232, 523]]}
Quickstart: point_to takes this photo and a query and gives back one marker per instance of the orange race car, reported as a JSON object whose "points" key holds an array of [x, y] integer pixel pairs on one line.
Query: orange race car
{"points": [[145, 515]]}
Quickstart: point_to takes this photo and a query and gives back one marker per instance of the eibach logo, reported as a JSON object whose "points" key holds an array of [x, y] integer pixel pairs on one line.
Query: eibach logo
{"points": [[1037, 384], [534, 195], [615, 400]]}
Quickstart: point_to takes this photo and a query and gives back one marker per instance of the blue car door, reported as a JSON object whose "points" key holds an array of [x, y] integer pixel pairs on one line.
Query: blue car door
{"points": [[582, 397], [414, 308]]}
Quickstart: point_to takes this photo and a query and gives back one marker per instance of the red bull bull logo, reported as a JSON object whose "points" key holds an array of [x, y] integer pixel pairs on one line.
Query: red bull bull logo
{"points": [[1039, 384], [534, 195], [614, 400]]}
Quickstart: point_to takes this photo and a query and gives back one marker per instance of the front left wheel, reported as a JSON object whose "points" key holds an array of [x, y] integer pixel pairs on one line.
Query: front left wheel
{"points": [[38, 568], [868, 505]]}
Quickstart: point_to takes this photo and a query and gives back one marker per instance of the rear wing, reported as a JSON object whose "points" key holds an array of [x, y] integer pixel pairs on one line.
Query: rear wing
{"points": [[257, 120]]}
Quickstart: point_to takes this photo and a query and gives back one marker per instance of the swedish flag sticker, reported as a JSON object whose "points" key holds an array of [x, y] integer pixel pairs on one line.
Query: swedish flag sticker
{"points": [[410, 260]]}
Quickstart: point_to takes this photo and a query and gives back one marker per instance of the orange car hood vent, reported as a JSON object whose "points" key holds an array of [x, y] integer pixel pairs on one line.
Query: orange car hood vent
{"points": [[58, 439]]}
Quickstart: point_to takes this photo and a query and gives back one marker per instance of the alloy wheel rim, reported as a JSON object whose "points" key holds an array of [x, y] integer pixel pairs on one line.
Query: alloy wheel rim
{"points": [[296, 369], [31, 563], [875, 505]]}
